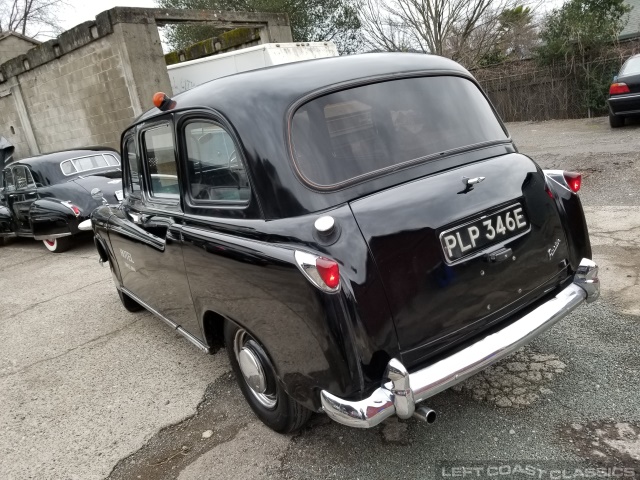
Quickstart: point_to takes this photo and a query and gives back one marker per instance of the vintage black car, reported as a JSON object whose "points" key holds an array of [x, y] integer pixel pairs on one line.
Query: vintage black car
{"points": [[361, 233], [50, 197], [624, 93]]}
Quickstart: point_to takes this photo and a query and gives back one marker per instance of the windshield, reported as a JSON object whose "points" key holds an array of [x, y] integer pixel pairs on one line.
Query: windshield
{"points": [[350, 134]]}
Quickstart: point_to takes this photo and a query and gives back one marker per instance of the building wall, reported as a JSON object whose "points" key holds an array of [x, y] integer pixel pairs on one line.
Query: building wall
{"points": [[11, 46], [11, 127], [79, 99], [86, 86]]}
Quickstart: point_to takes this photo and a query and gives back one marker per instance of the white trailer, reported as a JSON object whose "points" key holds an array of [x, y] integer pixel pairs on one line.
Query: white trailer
{"points": [[186, 75]]}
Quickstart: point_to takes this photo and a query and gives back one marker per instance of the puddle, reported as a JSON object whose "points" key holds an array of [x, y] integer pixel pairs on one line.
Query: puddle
{"points": [[222, 414]]}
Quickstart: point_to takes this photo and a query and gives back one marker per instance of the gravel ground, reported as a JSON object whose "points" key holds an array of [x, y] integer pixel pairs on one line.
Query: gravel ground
{"points": [[91, 391]]}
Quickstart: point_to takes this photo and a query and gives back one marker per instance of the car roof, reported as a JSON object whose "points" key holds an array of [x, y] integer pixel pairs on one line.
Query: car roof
{"points": [[289, 82], [57, 157], [46, 168]]}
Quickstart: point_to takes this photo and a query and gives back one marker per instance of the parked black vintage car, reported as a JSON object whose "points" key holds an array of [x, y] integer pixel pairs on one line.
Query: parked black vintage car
{"points": [[50, 197], [624, 93], [360, 231]]}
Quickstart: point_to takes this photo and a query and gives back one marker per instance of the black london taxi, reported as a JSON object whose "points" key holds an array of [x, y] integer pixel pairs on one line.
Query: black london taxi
{"points": [[50, 197], [360, 232]]}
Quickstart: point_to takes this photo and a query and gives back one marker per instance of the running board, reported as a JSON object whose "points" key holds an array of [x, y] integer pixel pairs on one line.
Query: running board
{"points": [[171, 323]]}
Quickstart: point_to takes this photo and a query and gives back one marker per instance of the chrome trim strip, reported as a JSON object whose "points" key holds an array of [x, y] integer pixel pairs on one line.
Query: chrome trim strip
{"points": [[171, 323], [8, 235], [403, 390], [53, 235]]}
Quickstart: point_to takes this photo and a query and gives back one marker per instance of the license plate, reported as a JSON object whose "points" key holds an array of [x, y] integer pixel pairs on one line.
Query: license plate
{"points": [[474, 236], [119, 195]]}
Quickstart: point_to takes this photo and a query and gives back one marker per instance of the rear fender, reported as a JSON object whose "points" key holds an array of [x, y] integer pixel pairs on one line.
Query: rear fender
{"points": [[100, 225], [6, 222], [571, 212], [53, 217]]}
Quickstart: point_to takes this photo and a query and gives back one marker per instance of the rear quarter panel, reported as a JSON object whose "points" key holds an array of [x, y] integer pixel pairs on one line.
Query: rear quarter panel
{"points": [[246, 272]]}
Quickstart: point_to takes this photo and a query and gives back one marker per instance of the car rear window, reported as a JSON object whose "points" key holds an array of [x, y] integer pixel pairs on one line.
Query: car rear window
{"points": [[632, 67], [90, 162], [351, 134]]}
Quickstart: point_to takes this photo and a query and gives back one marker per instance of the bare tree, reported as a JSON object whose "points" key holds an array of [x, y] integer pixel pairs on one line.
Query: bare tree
{"points": [[33, 17], [384, 31], [464, 30]]}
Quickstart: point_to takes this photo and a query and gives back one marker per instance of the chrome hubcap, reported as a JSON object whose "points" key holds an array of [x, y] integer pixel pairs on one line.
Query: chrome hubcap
{"points": [[253, 370]]}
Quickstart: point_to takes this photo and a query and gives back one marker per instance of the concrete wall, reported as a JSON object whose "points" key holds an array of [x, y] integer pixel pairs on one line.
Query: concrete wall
{"points": [[79, 99], [11, 127], [85, 87], [11, 46]]}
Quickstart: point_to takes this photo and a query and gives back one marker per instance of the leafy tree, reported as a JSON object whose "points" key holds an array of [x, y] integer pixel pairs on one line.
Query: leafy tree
{"points": [[518, 35], [579, 35], [581, 28], [311, 20], [516, 38]]}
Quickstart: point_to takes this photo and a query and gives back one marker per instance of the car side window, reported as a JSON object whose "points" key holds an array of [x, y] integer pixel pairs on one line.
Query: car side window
{"points": [[112, 160], [161, 162], [9, 184], [214, 169], [133, 178], [22, 178]]}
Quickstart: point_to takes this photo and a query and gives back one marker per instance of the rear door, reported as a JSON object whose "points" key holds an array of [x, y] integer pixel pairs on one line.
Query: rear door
{"points": [[146, 232], [22, 196], [455, 262]]}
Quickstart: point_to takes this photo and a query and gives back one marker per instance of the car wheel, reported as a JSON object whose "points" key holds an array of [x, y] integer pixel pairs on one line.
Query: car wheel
{"points": [[616, 121], [57, 245], [260, 387], [129, 303]]}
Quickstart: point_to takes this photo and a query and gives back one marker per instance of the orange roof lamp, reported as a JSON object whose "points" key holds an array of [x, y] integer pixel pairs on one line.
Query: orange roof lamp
{"points": [[162, 101]]}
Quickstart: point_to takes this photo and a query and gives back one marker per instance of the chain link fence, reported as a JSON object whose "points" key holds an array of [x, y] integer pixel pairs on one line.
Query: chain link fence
{"points": [[526, 91]]}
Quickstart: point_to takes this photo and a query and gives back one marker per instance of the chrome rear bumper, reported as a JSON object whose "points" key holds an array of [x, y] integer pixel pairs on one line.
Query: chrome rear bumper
{"points": [[401, 390]]}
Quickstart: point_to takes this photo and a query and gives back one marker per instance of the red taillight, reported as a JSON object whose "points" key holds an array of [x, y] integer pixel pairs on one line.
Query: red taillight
{"points": [[574, 180], [329, 271], [548, 190], [618, 88], [72, 207]]}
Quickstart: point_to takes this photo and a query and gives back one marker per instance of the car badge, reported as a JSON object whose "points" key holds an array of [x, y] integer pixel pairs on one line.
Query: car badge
{"points": [[552, 250]]}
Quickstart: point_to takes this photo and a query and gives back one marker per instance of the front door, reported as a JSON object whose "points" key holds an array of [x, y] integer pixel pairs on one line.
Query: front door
{"points": [[146, 233]]}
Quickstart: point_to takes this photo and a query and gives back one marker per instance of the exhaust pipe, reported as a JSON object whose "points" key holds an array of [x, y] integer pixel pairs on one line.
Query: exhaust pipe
{"points": [[425, 414]]}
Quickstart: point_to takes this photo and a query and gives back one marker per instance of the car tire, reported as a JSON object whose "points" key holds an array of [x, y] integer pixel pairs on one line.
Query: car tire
{"points": [[57, 245], [616, 121], [129, 304], [274, 407]]}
